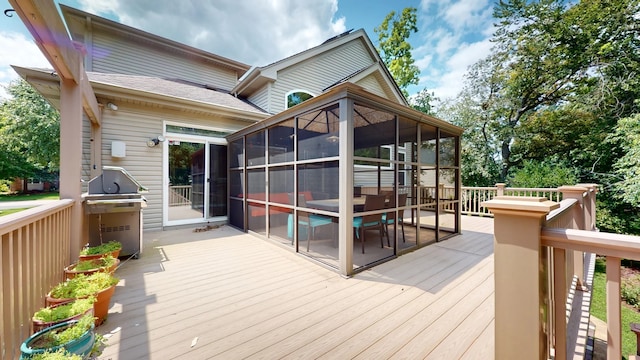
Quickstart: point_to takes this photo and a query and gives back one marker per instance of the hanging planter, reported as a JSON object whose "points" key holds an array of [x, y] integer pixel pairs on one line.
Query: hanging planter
{"points": [[87, 267], [76, 337], [101, 285], [95, 252], [62, 312]]}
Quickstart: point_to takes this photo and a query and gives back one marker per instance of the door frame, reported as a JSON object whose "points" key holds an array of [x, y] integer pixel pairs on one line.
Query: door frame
{"points": [[200, 139]]}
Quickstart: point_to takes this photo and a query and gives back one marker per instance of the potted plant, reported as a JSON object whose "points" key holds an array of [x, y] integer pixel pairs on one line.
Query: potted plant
{"points": [[62, 312], [87, 267], [75, 337], [60, 354], [95, 252], [102, 285]]}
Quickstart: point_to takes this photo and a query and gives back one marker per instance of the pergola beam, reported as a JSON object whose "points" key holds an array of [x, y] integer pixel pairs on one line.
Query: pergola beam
{"points": [[45, 25]]}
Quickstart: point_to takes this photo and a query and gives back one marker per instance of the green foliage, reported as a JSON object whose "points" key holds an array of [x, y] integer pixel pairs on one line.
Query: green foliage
{"points": [[108, 247], [102, 262], [61, 312], [394, 48], [29, 133], [60, 354], [5, 186], [424, 101], [64, 334], [627, 167], [542, 175], [83, 286]]}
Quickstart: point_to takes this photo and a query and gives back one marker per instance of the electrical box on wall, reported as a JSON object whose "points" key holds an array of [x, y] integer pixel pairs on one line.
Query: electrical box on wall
{"points": [[118, 149]]}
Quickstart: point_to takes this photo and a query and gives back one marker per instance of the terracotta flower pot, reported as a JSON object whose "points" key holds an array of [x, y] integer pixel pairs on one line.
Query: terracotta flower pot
{"points": [[115, 254], [39, 325], [70, 272], [100, 307]]}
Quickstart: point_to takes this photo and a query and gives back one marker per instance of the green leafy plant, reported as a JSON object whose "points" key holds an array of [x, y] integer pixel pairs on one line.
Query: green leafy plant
{"points": [[630, 291], [61, 354], [57, 313], [83, 286], [86, 265], [65, 334], [102, 248]]}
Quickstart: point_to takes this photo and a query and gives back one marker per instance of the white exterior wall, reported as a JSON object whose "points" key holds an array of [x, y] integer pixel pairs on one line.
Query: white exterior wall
{"points": [[319, 72], [118, 55]]}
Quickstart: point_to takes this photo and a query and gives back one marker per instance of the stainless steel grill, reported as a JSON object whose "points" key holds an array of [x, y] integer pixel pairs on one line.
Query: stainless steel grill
{"points": [[113, 205]]}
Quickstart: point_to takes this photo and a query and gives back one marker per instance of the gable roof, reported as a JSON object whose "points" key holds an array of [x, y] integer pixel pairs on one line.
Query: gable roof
{"points": [[259, 76], [76, 21]]}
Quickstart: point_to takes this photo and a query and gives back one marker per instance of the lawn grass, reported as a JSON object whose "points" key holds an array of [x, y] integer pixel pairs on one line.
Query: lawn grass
{"points": [[599, 309], [11, 211], [34, 196]]}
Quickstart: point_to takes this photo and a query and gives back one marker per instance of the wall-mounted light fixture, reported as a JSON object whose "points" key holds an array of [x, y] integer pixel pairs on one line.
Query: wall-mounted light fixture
{"points": [[112, 106], [155, 141]]}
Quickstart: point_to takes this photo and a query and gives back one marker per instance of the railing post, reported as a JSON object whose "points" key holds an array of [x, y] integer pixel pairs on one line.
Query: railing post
{"points": [[582, 217], [590, 205], [614, 327], [501, 187], [520, 277]]}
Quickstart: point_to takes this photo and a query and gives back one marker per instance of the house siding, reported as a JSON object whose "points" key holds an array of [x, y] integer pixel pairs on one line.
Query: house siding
{"points": [[134, 125], [315, 74], [372, 85], [117, 55], [261, 98]]}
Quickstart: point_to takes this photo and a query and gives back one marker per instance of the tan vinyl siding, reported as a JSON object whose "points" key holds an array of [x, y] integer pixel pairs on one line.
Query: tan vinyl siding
{"points": [[119, 56], [144, 163], [369, 179], [372, 85], [260, 98], [86, 152], [317, 73], [134, 125]]}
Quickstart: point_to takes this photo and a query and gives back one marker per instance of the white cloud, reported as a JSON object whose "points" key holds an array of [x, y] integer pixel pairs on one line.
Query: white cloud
{"points": [[253, 32], [451, 81], [23, 52]]}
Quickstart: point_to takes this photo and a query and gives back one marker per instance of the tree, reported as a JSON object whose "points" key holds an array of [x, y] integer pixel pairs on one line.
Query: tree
{"points": [[394, 48], [423, 101], [29, 133]]}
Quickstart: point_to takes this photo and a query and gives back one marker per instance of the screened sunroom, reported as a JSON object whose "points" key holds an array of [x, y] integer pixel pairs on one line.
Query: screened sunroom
{"points": [[348, 179]]}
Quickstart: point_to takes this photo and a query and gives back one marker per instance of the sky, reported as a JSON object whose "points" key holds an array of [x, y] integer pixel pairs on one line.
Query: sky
{"points": [[452, 34]]}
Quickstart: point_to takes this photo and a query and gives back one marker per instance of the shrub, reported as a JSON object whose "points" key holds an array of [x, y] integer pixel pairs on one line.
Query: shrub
{"points": [[51, 314], [630, 291], [102, 248], [83, 286]]}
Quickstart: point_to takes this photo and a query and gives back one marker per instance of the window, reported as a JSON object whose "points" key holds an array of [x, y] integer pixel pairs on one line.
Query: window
{"points": [[296, 97]]}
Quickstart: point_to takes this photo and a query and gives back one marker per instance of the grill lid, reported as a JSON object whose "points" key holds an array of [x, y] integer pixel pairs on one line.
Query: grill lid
{"points": [[115, 180]]}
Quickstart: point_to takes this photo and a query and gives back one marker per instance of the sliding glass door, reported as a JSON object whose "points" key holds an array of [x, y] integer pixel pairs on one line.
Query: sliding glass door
{"points": [[196, 180]]}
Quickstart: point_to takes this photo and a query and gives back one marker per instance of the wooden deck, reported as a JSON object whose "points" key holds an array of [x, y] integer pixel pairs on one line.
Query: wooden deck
{"points": [[228, 295]]}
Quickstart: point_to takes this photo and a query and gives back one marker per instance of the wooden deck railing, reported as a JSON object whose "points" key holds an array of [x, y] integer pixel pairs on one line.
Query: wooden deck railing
{"points": [[545, 243], [34, 249], [180, 195]]}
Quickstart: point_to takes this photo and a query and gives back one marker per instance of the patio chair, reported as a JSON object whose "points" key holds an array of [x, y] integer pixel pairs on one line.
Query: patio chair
{"points": [[310, 221], [390, 217], [361, 223]]}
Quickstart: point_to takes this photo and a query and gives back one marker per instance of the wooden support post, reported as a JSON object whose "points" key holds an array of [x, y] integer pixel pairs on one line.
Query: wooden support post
{"points": [[520, 279], [71, 159], [501, 187], [582, 217], [614, 329]]}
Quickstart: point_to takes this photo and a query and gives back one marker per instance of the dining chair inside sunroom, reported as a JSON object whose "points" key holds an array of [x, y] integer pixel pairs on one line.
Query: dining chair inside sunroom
{"points": [[373, 221], [309, 221], [390, 217]]}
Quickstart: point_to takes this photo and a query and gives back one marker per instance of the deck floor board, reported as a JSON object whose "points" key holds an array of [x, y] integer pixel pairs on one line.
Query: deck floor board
{"points": [[228, 295]]}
